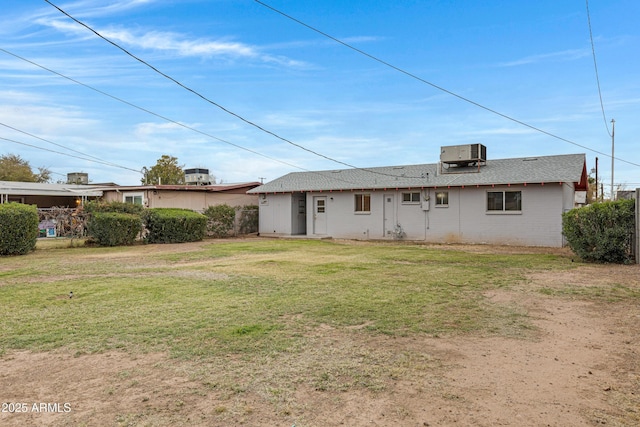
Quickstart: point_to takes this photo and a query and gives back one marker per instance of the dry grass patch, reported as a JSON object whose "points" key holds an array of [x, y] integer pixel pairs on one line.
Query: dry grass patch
{"points": [[272, 332]]}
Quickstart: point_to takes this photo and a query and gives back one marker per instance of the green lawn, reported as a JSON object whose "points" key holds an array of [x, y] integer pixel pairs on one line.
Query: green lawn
{"points": [[228, 332], [252, 297]]}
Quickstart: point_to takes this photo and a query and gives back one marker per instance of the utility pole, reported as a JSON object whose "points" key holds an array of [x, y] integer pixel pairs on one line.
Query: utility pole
{"points": [[613, 134]]}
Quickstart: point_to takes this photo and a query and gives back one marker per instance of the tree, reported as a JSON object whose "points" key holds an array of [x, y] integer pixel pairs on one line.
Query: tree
{"points": [[165, 171], [592, 190], [15, 168]]}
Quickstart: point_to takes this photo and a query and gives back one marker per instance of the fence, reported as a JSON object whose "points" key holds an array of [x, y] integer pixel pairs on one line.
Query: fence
{"points": [[67, 222]]}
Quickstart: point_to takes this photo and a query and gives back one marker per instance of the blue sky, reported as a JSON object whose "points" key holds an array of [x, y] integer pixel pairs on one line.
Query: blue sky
{"points": [[531, 61]]}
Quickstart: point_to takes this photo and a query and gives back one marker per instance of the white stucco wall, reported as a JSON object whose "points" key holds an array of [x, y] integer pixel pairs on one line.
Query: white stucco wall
{"points": [[465, 219], [275, 214]]}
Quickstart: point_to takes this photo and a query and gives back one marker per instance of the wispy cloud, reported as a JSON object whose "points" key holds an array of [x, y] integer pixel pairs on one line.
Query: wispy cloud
{"points": [[175, 43], [500, 131], [150, 129], [93, 8], [360, 39], [322, 42], [565, 55]]}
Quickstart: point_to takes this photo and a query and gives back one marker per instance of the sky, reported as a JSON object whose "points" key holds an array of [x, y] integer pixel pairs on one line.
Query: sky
{"points": [[253, 91]]}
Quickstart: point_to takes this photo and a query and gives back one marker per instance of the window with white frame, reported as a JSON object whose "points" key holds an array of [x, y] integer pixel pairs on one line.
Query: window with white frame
{"points": [[442, 199], [134, 198], [362, 203], [504, 201], [411, 198]]}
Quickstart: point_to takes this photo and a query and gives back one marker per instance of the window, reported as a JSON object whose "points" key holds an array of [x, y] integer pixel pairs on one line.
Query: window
{"points": [[504, 201], [442, 198], [133, 198], [411, 197], [363, 202]]}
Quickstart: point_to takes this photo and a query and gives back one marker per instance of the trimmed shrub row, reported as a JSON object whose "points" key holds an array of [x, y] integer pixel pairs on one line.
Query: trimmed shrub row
{"points": [[119, 207], [18, 228], [174, 225], [601, 232], [114, 228], [116, 223]]}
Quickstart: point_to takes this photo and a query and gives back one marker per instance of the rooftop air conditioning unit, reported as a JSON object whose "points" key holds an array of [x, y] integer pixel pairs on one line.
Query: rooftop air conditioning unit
{"points": [[463, 155], [197, 176], [78, 178]]}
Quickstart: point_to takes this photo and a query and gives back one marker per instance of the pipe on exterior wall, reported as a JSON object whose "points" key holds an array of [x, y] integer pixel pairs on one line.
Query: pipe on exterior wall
{"points": [[426, 214]]}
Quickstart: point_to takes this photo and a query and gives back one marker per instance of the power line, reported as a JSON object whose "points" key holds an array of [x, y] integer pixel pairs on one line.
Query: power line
{"points": [[440, 88], [238, 116], [595, 66], [62, 146], [144, 110], [67, 154]]}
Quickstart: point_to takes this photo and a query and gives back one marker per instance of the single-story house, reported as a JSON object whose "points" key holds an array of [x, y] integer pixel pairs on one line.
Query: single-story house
{"points": [[194, 197], [45, 195], [463, 198]]}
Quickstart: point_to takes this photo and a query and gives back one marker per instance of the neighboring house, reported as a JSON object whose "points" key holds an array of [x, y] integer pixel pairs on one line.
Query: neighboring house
{"points": [[509, 201], [194, 197], [48, 195]]}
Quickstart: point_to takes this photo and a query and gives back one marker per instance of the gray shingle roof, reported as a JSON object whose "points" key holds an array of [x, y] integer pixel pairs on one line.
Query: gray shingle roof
{"points": [[562, 168]]}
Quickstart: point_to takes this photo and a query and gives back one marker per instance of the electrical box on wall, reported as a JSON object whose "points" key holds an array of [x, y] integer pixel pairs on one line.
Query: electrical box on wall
{"points": [[425, 204]]}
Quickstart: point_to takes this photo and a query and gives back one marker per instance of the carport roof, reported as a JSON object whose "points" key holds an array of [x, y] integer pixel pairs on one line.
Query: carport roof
{"points": [[43, 189]]}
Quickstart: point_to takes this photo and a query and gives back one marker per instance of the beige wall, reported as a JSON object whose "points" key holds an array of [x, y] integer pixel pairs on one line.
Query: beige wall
{"points": [[194, 200]]}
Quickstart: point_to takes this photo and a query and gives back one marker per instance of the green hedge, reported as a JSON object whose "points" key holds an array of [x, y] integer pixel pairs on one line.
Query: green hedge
{"points": [[166, 225], [220, 220], [601, 232], [120, 207], [18, 228], [114, 228]]}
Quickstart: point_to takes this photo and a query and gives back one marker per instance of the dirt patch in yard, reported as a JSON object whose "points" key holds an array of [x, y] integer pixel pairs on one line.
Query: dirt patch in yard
{"points": [[580, 366]]}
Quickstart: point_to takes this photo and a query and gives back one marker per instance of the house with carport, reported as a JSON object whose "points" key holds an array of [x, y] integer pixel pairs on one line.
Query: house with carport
{"points": [[194, 197], [46, 196], [464, 198]]}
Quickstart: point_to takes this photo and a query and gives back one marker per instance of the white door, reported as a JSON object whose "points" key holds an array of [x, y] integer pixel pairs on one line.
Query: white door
{"points": [[319, 215], [389, 215]]}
